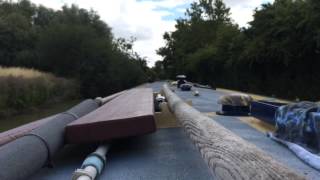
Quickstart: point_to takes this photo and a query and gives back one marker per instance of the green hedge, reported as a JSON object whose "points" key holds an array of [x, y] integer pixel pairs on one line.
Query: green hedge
{"points": [[19, 94]]}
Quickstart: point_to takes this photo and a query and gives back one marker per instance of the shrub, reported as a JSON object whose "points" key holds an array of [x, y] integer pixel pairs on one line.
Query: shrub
{"points": [[23, 89]]}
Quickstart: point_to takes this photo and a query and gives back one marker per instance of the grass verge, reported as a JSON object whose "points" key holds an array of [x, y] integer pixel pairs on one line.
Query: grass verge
{"points": [[22, 90]]}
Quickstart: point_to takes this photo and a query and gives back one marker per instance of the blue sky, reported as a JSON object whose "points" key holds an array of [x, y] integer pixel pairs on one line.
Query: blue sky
{"points": [[147, 20], [176, 12]]}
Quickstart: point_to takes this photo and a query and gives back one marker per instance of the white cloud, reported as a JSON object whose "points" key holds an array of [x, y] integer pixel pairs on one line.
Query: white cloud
{"points": [[242, 11], [141, 19]]}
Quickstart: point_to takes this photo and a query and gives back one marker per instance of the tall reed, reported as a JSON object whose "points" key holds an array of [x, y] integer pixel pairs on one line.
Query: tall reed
{"points": [[24, 89]]}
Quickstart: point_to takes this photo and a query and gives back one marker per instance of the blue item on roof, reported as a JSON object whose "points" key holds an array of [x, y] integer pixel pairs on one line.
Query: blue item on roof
{"points": [[300, 123], [265, 110], [185, 87], [298, 128]]}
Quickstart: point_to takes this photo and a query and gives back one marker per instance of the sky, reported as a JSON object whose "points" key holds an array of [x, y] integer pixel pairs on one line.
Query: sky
{"points": [[147, 20]]}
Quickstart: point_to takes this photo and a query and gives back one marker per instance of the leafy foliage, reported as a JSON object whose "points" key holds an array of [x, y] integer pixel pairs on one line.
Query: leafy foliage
{"points": [[277, 54], [23, 89], [71, 42]]}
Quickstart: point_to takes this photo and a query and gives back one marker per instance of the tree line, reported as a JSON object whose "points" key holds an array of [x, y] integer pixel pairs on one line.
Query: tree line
{"points": [[277, 54], [73, 43]]}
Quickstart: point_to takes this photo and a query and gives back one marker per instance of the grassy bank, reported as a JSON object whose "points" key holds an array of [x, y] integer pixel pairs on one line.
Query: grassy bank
{"points": [[23, 90]]}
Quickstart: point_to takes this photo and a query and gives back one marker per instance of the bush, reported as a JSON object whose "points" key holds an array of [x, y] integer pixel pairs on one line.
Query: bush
{"points": [[72, 43], [23, 89]]}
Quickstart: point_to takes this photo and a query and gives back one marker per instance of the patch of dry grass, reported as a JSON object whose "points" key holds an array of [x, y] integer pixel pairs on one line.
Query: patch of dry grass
{"points": [[22, 72], [23, 89]]}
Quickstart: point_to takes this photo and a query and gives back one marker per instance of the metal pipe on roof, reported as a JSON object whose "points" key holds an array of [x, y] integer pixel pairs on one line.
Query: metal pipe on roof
{"points": [[109, 98], [92, 165], [90, 174]]}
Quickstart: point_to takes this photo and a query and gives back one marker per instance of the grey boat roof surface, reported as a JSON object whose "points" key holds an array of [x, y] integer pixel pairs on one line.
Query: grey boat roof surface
{"points": [[168, 153]]}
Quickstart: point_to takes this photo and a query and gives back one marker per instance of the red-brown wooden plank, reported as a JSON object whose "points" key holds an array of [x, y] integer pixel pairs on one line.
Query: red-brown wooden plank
{"points": [[130, 114]]}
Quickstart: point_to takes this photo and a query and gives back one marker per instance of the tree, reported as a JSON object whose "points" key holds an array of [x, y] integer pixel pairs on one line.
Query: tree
{"points": [[16, 33], [278, 54], [195, 35], [71, 42], [215, 11]]}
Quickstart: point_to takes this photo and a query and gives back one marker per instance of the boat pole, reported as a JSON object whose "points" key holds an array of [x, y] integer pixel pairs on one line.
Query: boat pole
{"points": [[92, 165], [227, 155]]}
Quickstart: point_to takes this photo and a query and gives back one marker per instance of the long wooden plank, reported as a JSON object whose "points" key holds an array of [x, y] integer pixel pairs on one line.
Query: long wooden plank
{"points": [[227, 155], [12, 134], [130, 114]]}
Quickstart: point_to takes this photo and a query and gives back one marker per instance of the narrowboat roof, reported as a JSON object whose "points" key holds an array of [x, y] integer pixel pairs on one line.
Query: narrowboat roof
{"points": [[168, 153]]}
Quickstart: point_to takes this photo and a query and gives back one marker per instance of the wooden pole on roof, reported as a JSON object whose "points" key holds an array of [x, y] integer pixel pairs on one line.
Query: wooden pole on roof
{"points": [[227, 155]]}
